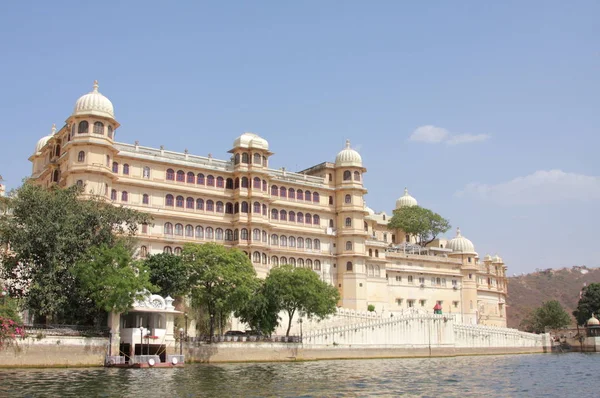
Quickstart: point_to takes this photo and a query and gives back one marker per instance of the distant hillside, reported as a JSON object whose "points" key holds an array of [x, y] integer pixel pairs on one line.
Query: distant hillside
{"points": [[528, 291]]}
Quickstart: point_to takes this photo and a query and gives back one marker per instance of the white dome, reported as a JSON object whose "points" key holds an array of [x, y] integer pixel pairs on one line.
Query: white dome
{"points": [[406, 200], [94, 103], [348, 157], [251, 140], [44, 140], [369, 210], [487, 258], [460, 244], [593, 321], [497, 259]]}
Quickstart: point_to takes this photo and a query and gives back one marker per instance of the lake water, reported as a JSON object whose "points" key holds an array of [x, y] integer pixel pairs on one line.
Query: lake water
{"points": [[542, 375]]}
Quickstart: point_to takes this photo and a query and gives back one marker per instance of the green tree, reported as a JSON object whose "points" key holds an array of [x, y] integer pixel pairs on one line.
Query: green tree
{"points": [[417, 221], [261, 311], [223, 279], [300, 290], [49, 231], [110, 278], [169, 273], [549, 315], [588, 304]]}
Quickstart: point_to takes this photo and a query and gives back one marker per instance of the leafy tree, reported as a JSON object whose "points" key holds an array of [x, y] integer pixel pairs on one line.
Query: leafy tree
{"points": [[588, 304], [49, 231], [549, 315], [110, 277], [301, 290], [261, 311], [417, 221], [222, 279], [169, 273]]}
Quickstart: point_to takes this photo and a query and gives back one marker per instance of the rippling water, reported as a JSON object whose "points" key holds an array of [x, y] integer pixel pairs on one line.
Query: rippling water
{"points": [[548, 375]]}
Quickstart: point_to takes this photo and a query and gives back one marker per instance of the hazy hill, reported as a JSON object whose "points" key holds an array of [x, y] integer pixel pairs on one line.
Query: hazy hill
{"points": [[526, 292]]}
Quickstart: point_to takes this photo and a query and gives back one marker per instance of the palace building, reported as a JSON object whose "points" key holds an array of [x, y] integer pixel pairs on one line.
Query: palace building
{"points": [[315, 218]]}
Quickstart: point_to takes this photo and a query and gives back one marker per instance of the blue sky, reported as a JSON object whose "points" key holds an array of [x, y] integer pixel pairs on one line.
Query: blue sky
{"points": [[487, 111]]}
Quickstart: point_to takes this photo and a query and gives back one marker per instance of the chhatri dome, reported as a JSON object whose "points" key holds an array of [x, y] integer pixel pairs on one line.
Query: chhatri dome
{"points": [[44, 140], [406, 200], [94, 103], [460, 244], [348, 157], [593, 321], [251, 140]]}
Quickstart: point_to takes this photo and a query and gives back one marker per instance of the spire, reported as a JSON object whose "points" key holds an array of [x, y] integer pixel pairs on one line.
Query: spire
{"points": [[53, 128], [95, 86], [347, 144]]}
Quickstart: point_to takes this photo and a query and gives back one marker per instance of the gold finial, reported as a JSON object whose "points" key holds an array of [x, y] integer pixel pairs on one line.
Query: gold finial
{"points": [[348, 144], [53, 128], [95, 86]]}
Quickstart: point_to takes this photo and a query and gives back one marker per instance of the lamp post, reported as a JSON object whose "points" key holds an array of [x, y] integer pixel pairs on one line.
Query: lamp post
{"points": [[180, 341], [141, 340], [186, 322]]}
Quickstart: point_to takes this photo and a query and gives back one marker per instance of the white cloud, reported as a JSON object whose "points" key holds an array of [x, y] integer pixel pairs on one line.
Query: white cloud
{"points": [[541, 187], [435, 135]]}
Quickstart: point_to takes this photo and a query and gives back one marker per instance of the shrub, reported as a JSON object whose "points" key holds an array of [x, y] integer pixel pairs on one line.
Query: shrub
{"points": [[9, 331]]}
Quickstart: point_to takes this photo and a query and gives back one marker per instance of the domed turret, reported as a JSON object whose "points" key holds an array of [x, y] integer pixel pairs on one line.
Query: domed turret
{"points": [[44, 140], [251, 140], [497, 259], [406, 200], [348, 157], [460, 244], [487, 258], [369, 210], [94, 103], [593, 321]]}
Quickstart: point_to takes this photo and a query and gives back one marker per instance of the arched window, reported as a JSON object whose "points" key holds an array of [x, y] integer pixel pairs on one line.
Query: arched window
{"points": [[256, 257], [348, 222], [98, 128], [55, 176], [189, 231], [316, 220], [308, 218], [189, 203], [349, 266], [83, 127], [283, 240], [300, 243], [274, 261], [370, 252], [264, 210], [229, 183], [256, 234], [169, 200], [356, 176], [376, 252], [330, 223], [199, 232], [143, 252], [146, 172], [283, 260], [177, 251], [168, 250], [292, 241], [300, 195], [199, 204], [283, 215], [220, 208], [81, 156], [229, 208], [219, 234], [257, 207], [124, 196], [274, 240], [179, 229], [244, 234], [236, 158], [316, 197], [347, 199], [244, 182], [236, 235], [209, 233], [220, 182], [331, 200], [308, 243], [264, 258], [115, 167], [113, 194], [317, 244], [283, 192], [79, 183], [145, 199], [366, 227], [168, 229], [300, 263], [309, 263], [292, 216], [236, 207], [126, 169], [210, 205], [237, 183], [348, 245], [170, 174], [292, 261], [274, 190], [264, 236], [300, 217], [347, 175], [200, 179], [180, 176], [73, 127], [317, 266], [107, 160], [307, 196], [274, 214], [257, 159], [191, 177], [292, 193], [244, 207], [256, 183], [228, 235], [110, 132], [245, 158], [210, 181], [179, 201]]}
